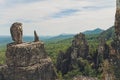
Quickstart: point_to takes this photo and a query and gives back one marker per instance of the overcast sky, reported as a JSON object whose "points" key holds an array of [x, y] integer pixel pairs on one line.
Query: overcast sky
{"points": [[53, 17]]}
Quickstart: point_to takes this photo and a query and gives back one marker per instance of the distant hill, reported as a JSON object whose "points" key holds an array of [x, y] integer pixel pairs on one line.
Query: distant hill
{"points": [[7, 39], [95, 31], [91, 34], [60, 37], [108, 34]]}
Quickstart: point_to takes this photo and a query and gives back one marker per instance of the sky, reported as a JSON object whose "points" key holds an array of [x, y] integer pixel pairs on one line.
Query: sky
{"points": [[54, 17]]}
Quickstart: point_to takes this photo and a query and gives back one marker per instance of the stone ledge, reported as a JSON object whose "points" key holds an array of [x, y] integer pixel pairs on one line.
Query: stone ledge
{"points": [[25, 54]]}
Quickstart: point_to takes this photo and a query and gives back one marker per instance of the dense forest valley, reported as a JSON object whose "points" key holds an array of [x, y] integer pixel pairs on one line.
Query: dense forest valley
{"points": [[58, 47]]}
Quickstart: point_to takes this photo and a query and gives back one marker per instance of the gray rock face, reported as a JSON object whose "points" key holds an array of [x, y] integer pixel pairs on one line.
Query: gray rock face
{"points": [[115, 45], [40, 71], [36, 38], [103, 49], [16, 32], [108, 73], [78, 49], [80, 45], [117, 19], [27, 61], [25, 54]]}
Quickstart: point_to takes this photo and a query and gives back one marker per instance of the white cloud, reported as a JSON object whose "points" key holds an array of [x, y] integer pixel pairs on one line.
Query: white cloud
{"points": [[38, 15], [1, 1], [78, 22]]}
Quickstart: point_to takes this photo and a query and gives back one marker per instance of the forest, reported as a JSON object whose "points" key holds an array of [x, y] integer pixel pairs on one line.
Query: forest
{"points": [[54, 46]]}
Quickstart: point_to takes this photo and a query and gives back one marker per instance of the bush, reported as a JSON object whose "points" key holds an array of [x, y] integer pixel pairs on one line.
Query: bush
{"points": [[2, 56]]}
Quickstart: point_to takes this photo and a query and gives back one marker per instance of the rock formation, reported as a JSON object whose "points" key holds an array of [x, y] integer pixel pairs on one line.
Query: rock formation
{"points": [[27, 61], [25, 54], [117, 26], [108, 73], [36, 38], [115, 45], [117, 19], [16, 32], [78, 49], [81, 44], [111, 54], [103, 49], [101, 54]]}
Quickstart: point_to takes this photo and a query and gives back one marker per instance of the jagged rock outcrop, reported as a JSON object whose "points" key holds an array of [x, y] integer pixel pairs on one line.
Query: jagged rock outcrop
{"points": [[36, 38], [16, 32], [27, 61], [81, 45], [115, 45], [103, 59], [111, 54], [66, 61], [117, 19], [108, 73], [102, 53], [103, 49]]}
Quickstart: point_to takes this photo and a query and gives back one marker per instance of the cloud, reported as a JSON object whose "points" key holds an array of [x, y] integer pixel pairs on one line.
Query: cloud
{"points": [[78, 22], [51, 17], [1, 1], [66, 12]]}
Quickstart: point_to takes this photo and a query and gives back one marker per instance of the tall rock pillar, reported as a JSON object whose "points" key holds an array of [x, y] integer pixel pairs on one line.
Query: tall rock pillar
{"points": [[115, 45], [117, 19]]}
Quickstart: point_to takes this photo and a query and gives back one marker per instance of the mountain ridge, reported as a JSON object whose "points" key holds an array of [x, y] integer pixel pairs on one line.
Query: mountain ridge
{"points": [[94, 31], [7, 39]]}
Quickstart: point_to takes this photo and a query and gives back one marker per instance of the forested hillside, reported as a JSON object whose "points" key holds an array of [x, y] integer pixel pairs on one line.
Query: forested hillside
{"points": [[61, 42]]}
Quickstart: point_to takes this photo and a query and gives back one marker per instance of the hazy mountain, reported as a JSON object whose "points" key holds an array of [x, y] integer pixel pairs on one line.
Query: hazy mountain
{"points": [[60, 37], [95, 31], [108, 34], [7, 39]]}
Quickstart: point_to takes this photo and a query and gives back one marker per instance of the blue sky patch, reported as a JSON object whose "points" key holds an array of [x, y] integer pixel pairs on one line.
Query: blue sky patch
{"points": [[66, 12]]}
